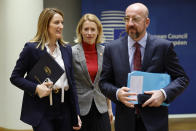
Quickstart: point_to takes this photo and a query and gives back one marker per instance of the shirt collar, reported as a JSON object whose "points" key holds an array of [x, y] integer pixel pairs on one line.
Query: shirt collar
{"points": [[46, 44], [55, 53], [142, 42]]}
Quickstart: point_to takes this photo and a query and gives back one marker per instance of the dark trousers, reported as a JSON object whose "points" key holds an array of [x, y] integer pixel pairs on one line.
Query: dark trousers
{"points": [[57, 124], [139, 124], [95, 121], [57, 117]]}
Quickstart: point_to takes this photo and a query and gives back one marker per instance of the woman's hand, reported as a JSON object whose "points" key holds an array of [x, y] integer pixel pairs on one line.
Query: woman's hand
{"points": [[43, 90], [110, 113], [79, 124]]}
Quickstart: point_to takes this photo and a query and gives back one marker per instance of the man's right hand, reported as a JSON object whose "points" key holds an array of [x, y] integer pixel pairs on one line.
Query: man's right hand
{"points": [[123, 96], [43, 90]]}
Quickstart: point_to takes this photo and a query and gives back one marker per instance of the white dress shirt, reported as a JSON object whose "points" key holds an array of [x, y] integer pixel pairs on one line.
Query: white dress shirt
{"points": [[62, 82]]}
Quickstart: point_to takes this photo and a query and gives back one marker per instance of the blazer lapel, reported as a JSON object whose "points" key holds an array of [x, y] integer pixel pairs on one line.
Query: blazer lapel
{"points": [[82, 60], [41, 52], [100, 50], [147, 54], [124, 56], [64, 56]]}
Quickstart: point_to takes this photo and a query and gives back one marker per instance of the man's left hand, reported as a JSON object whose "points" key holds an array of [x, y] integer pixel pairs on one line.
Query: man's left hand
{"points": [[156, 99]]}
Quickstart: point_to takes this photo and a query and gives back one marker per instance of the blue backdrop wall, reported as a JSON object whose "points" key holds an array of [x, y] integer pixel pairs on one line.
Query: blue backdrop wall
{"points": [[174, 20]]}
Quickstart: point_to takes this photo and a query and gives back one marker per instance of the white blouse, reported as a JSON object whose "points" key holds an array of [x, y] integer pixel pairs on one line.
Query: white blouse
{"points": [[62, 82]]}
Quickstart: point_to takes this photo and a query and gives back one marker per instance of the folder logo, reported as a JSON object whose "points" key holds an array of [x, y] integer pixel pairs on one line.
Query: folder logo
{"points": [[47, 70]]}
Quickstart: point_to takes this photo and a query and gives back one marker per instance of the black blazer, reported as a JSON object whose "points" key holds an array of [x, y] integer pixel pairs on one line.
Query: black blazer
{"points": [[159, 57], [33, 107]]}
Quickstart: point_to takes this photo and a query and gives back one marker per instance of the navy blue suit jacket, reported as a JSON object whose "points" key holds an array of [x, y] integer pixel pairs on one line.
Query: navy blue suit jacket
{"points": [[33, 107], [159, 57]]}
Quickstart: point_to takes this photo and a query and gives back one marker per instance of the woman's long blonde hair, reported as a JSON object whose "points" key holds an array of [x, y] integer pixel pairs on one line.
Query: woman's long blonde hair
{"points": [[42, 35], [92, 18]]}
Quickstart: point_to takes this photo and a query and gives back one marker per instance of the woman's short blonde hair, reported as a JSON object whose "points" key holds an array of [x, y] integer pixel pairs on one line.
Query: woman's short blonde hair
{"points": [[92, 18], [45, 17]]}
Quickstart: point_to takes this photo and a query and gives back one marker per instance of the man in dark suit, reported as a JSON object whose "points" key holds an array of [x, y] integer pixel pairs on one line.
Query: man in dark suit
{"points": [[157, 56]]}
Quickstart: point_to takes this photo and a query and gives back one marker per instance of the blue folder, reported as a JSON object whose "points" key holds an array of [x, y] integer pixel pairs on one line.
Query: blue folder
{"points": [[139, 82]]}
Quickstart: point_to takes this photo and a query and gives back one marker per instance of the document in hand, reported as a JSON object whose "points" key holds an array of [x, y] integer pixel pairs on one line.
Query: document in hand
{"points": [[46, 67], [139, 82]]}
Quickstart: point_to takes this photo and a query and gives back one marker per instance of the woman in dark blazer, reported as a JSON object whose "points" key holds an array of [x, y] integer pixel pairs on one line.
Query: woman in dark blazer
{"points": [[95, 108], [36, 108]]}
